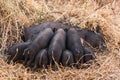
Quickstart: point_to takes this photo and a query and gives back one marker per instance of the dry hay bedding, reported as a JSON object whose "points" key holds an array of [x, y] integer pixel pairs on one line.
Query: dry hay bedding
{"points": [[78, 44]]}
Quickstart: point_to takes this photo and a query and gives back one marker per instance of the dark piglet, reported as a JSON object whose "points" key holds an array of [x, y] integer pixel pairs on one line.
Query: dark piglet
{"points": [[74, 45], [15, 52], [56, 47], [32, 31], [41, 42], [67, 58], [41, 59], [94, 38]]}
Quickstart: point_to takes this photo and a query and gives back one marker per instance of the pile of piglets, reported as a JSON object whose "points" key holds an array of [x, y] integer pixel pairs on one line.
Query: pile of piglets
{"points": [[54, 43]]}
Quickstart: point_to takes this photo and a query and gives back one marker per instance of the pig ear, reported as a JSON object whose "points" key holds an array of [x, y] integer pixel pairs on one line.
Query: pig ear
{"points": [[17, 50], [97, 29], [85, 43], [82, 41], [7, 50], [25, 51]]}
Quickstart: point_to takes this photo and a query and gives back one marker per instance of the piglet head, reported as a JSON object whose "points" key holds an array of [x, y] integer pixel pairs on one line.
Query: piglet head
{"points": [[100, 38]]}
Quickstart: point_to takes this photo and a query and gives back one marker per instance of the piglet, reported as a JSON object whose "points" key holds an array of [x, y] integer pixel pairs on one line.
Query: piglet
{"points": [[67, 58], [40, 42], [16, 51], [41, 59], [56, 47]]}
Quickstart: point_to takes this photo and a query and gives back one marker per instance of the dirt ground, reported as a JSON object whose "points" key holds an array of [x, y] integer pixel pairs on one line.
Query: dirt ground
{"points": [[17, 14]]}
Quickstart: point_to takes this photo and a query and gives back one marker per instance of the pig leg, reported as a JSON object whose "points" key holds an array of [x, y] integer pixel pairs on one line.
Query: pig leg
{"points": [[29, 63], [36, 64], [56, 62], [26, 59], [44, 60]]}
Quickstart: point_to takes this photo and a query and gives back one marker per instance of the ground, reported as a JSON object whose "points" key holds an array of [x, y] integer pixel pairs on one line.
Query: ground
{"points": [[17, 14]]}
